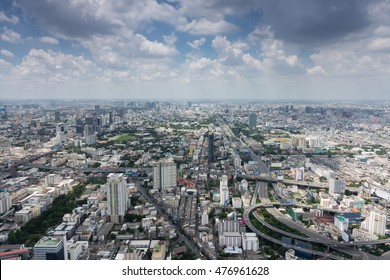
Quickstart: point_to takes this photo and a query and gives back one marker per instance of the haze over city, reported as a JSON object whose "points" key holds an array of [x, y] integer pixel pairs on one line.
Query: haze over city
{"points": [[297, 49]]}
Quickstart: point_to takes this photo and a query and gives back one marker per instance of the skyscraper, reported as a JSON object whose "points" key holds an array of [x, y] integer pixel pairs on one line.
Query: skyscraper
{"points": [[164, 175], [211, 155], [223, 190], [116, 197], [336, 185], [252, 121]]}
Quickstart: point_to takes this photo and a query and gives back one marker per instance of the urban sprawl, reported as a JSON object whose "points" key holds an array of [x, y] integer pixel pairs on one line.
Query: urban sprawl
{"points": [[121, 180]]}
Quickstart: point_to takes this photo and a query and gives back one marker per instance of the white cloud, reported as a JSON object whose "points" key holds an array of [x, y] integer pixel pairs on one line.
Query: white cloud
{"points": [[154, 48], [379, 44], [12, 19], [196, 44], [5, 64], [205, 27], [6, 53], [49, 40], [170, 40], [10, 36], [316, 70], [56, 67]]}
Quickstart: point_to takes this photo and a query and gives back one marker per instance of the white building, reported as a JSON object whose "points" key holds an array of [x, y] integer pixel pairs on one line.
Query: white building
{"points": [[164, 175], [236, 202], [5, 202], [250, 241], [223, 190], [230, 239], [341, 223], [375, 223], [299, 174], [205, 218], [116, 197]]}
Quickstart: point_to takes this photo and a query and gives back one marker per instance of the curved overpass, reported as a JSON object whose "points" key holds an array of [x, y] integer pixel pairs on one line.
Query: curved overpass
{"points": [[279, 242], [317, 238]]}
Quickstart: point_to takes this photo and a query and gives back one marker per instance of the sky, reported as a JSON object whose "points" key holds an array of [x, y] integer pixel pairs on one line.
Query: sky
{"points": [[198, 49]]}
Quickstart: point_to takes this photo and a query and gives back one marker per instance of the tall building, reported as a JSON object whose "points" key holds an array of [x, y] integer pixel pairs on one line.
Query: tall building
{"points": [[5, 202], [375, 223], [223, 190], [49, 248], [97, 110], [164, 175], [57, 116], [116, 197], [299, 174], [211, 149], [336, 185], [252, 121]]}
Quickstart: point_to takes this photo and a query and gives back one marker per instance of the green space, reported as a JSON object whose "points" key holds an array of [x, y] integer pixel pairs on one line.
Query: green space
{"points": [[34, 229], [270, 219], [123, 138]]}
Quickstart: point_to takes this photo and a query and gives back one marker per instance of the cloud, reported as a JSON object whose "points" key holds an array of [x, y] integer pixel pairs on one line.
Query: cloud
{"points": [[154, 48], [314, 21], [316, 70], [54, 67], [10, 36], [205, 27], [6, 53], [49, 40], [196, 44], [74, 19], [12, 19]]}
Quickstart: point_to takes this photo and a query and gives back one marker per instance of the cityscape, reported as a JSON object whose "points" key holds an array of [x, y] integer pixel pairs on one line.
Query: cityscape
{"points": [[180, 180], [240, 130]]}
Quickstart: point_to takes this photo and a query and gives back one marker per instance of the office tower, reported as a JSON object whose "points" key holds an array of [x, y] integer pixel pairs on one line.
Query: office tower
{"points": [[79, 127], [97, 110], [5, 202], [88, 130], [223, 191], [116, 197], [164, 175], [336, 185], [57, 116], [110, 117], [375, 223], [211, 155], [49, 248], [252, 121]]}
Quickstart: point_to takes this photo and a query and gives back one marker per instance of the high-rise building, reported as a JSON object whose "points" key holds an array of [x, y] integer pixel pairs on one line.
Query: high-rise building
{"points": [[57, 116], [375, 223], [116, 197], [336, 185], [49, 248], [97, 110], [211, 148], [164, 175], [252, 121], [5, 202], [223, 190]]}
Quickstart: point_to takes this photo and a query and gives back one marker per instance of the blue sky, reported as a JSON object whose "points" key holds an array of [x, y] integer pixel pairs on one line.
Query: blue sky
{"points": [[176, 49]]}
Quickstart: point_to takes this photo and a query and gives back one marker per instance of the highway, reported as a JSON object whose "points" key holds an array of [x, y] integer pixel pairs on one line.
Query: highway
{"points": [[279, 242]]}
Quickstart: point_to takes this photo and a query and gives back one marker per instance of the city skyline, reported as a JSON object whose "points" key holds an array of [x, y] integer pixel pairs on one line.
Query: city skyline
{"points": [[255, 50]]}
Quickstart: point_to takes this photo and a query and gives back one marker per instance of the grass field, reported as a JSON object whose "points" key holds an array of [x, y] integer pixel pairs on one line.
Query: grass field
{"points": [[122, 138]]}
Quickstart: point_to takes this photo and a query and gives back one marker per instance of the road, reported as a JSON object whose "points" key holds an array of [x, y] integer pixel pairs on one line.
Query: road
{"points": [[181, 236]]}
